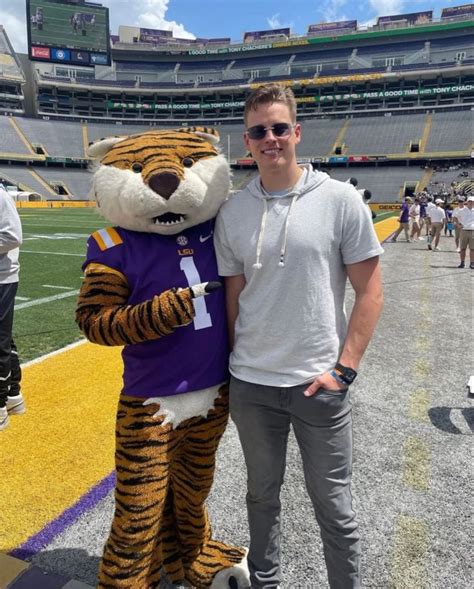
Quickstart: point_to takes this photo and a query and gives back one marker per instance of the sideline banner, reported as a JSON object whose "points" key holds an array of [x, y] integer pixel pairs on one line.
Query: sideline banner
{"points": [[56, 204]]}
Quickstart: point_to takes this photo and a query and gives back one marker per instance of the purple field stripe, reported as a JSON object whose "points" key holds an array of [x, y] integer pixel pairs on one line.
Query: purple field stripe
{"points": [[88, 501]]}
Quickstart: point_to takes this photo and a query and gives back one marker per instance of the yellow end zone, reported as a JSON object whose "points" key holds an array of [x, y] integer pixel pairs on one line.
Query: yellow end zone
{"points": [[64, 444]]}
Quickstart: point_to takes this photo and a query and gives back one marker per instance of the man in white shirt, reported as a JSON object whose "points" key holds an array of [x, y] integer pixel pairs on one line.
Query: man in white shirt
{"points": [[429, 207], [438, 219], [286, 246], [466, 222], [457, 226]]}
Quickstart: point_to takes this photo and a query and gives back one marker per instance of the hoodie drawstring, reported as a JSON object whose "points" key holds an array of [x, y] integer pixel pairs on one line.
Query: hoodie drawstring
{"points": [[281, 263], [258, 264]]}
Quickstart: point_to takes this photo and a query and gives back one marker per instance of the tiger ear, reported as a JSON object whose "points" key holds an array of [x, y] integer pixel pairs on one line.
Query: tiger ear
{"points": [[99, 148], [208, 133]]}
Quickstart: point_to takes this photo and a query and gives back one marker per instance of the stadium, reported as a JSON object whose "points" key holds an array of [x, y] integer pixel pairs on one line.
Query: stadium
{"points": [[391, 104]]}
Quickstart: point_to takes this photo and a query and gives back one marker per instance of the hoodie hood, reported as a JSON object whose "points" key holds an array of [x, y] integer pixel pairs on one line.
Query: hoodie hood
{"points": [[308, 181]]}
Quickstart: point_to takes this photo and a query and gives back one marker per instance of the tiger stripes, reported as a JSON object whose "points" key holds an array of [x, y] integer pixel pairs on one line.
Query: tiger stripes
{"points": [[104, 317], [161, 151], [164, 476]]}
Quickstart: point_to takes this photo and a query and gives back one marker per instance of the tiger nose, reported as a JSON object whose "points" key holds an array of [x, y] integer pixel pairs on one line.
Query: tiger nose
{"points": [[164, 184]]}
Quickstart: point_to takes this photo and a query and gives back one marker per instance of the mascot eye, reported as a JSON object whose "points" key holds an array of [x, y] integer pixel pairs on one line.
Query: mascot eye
{"points": [[188, 162], [137, 167]]}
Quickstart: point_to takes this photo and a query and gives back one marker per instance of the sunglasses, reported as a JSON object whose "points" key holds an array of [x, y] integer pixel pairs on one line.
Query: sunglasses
{"points": [[278, 129]]}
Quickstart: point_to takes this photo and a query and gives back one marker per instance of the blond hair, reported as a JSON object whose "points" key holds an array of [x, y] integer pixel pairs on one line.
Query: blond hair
{"points": [[268, 94]]}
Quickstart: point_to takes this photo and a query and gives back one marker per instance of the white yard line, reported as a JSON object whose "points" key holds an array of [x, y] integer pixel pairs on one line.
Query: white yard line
{"points": [[22, 251], [54, 286], [17, 298], [55, 353], [44, 300]]}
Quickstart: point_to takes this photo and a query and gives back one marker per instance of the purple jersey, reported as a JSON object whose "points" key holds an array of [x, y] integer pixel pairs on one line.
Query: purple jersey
{"points": [[194, 357], [405, 213]]}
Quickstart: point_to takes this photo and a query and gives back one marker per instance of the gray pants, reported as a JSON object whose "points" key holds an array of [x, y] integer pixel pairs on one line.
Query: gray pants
{"points": [[323, 428]]}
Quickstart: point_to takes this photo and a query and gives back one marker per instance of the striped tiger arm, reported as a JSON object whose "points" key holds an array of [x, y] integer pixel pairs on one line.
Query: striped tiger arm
{"points": [[105, 318]]}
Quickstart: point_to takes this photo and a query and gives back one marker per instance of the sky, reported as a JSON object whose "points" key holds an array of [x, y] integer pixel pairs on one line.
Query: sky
{"points": [[227, 18]]}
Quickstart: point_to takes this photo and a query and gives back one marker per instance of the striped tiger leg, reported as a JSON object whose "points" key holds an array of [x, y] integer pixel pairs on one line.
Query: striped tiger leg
{"points": [[191, 479], [132, 556]]}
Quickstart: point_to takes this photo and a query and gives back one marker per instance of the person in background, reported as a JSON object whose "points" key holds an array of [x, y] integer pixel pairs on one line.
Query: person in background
{"points": [[457, 226], [429, 207], [403, 219], [438, 220], [414, 214], [286, 245], [466, 222], [423, 205], [11, 398], [448, 225]]}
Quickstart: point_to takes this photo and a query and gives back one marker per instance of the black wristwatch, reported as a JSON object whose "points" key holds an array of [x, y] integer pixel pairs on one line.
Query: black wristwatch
{"points": [[344, 374]]}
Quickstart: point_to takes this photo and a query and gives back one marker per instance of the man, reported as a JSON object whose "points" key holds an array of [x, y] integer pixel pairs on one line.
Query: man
{"points": [[286, 245], [438, 219], [414, 214], [465, 218], [11, 399], [457, 226], [403, 219]]}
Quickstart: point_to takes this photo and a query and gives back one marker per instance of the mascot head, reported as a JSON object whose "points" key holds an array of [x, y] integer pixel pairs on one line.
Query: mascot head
{"points": [[160, 181]]}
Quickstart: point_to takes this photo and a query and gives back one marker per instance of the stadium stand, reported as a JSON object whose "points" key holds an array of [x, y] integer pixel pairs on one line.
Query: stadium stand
{"points": [[11, 141], [386, 184], [390, 103], [76, 183], [61, 139], [383, 135], [451, 131], [11, 77], [26, 179]]}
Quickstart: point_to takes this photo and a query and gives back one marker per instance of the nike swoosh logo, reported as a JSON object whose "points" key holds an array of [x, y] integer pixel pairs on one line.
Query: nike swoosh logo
{"points": [[206, 237]]}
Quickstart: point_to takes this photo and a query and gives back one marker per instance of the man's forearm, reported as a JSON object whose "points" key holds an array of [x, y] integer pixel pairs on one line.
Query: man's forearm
{"points": [[364, 317], [233, 287]]}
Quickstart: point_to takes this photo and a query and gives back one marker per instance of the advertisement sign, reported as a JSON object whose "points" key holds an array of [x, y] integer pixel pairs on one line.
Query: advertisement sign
{"points": [[80, 57], [333, 26], [60, 54], [41, 52], [99, 59], [256, 35], [337, 159], [413, 18], [454, 11], [358, 158]]}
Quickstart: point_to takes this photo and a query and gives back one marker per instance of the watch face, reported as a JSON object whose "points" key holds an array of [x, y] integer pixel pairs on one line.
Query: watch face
{"points": [[350, 374], [347, 374]]}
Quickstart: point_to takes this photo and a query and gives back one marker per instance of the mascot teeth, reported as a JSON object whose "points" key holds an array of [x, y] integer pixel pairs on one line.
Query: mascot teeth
{"points": [[169, 219]]}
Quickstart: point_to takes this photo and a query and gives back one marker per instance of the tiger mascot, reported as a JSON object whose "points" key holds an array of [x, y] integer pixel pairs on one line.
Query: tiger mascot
{"points": [[144, 278]]}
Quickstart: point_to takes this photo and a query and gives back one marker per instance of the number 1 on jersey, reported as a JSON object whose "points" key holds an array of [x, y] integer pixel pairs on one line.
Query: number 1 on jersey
{"points": [[202, 318]]}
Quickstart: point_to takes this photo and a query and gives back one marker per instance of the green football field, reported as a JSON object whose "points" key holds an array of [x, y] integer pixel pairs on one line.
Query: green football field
{"points": [[53, 250]]}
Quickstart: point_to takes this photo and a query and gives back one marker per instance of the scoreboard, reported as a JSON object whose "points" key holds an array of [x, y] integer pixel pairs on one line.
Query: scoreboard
{"points": [[74, 32]]}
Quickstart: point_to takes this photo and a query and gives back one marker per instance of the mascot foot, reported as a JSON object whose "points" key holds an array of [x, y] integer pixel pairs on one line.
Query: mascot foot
{"points": [[236, 577]]}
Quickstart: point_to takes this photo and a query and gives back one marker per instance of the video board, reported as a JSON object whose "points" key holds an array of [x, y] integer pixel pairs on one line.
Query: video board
{"points": [[73, 32]]}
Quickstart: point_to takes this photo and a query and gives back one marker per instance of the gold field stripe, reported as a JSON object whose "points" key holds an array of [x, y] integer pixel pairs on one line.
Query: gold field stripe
{"points": [[385, 228], [419, 405], [409, 567], [71, 400], [416, 464]]}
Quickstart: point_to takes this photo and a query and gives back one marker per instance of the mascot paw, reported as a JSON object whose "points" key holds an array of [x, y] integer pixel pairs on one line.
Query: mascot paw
{"points": [[236, 577]]}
